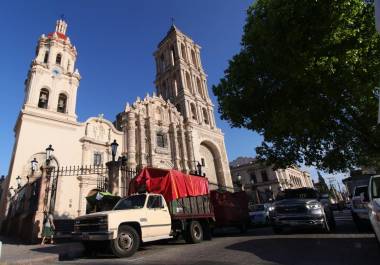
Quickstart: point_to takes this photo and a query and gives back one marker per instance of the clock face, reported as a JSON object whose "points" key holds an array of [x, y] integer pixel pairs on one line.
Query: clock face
{"points": [[56, 72]]}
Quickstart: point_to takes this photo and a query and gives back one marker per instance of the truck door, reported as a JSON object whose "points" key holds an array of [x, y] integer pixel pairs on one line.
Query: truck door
{"points": [[159, 221]]}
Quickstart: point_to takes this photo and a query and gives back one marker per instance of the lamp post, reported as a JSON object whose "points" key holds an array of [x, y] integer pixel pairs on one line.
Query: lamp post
{"points": [[199, 167], [10, 188], [18, 179], [49, 154], [34, 163], [114, 146]]}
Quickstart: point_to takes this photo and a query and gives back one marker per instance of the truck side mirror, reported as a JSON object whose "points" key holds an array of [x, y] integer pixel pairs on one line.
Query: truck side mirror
{"points": [[364, 197]]}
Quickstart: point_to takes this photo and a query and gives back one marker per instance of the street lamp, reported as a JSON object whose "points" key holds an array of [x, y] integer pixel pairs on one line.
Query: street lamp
{"points": [[114, 146], [49, 154], [34, 163], [10, 193], [199, 166], [18, 179]]}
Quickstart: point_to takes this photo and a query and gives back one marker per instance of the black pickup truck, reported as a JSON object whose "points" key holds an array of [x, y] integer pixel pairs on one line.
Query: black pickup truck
{"points": [[301, 208]]}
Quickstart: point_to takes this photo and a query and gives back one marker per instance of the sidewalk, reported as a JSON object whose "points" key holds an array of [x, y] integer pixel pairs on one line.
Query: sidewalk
{"points": [[14, 252]]}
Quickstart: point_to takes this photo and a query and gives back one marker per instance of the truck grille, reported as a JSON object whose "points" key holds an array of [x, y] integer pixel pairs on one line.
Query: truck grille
{"points": [[95, 224], [295, 209]]}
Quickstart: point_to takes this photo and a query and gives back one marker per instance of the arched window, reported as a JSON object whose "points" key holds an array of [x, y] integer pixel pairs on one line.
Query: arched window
{"points": [[162, 63], [193, 57], [193, 111], [58, 59], [43, 99], [174, 87], [161, 139], [183, 51], [62, 103], [172, 55], [188, 83], [205, 116], [46, 58]]}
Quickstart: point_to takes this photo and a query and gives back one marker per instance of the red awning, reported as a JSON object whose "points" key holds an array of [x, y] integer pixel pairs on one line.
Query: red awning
{"points": [[172, 184]]}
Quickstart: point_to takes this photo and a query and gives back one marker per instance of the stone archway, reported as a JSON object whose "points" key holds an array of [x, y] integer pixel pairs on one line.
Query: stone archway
{"points": [[213, 168]]}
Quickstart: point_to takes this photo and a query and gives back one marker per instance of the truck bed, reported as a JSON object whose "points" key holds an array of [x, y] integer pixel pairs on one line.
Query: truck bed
{"points": [[191, 207]]}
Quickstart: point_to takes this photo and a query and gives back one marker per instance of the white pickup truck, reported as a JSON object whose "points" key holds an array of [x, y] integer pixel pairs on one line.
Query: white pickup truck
{"points": [[143, 218]]}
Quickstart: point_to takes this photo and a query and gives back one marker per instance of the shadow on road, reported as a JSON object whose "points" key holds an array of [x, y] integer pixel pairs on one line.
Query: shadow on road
{"points": [[313, 251]]}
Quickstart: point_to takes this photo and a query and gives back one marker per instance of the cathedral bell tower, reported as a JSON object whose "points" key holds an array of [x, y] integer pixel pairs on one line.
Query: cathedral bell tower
{"points": [[52, 83], [181, 80]]}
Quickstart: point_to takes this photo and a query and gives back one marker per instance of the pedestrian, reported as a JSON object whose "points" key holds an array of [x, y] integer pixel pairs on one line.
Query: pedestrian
{"points": [[48, 229]]}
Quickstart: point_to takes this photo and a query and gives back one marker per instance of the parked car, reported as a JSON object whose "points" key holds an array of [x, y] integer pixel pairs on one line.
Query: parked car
{"points": [[359, 210], [296, 208], [259, 214], [373, 200]]}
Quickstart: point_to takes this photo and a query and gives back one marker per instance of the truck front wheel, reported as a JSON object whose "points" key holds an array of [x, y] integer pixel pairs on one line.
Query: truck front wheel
{"points": [[127, 242], [194, 233]]}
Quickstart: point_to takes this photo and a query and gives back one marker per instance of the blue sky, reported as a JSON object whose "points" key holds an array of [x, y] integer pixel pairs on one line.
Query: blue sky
{"points": [[115, 42]]}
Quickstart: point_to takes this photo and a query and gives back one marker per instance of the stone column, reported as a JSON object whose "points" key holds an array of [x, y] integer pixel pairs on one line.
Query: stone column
{"points": [[80, 179], [142, 141], [131, 149], [113, 177], [42, 203], [151, 143], [190, 148], [183, 148], [175, 149]]}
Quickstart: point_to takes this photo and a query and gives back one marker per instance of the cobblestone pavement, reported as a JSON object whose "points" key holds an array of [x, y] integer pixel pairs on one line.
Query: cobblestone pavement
{"points": [[260, 246]]}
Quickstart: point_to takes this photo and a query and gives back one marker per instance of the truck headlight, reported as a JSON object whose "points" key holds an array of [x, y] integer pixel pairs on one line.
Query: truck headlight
{"points": [[271, 208], [313, 206]]}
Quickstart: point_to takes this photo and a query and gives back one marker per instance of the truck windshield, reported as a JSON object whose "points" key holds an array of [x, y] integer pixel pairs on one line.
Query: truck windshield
{"points": [[132, 202]]}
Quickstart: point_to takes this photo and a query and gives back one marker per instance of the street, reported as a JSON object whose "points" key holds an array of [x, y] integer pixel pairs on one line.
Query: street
{"points": [[260, 246]]}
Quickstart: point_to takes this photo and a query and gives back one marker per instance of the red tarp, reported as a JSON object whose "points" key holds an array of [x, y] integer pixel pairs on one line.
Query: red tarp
{"points": [[172, 184]]}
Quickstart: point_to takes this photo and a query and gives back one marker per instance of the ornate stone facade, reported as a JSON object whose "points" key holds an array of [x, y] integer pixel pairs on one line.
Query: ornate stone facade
{"points": [[175, 129]]}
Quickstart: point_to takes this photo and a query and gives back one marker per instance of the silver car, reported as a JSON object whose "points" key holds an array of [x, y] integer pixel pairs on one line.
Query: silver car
{"points": [[259, 214], [359, 209], [373, 200]]}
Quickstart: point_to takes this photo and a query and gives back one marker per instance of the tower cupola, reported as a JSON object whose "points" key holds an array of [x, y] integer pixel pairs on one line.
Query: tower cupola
{"points": [[61, 26]]}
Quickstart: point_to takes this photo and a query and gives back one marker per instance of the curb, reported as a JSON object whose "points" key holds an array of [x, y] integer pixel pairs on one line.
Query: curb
{"points": [[68, 253]]}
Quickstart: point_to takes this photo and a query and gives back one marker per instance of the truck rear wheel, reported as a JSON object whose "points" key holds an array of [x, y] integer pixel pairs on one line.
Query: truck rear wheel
{"points": [[194, 233], [127, 242]]}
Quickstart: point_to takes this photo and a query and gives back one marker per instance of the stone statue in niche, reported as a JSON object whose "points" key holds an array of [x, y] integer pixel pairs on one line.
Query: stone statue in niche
{"points": [[98, 131]]}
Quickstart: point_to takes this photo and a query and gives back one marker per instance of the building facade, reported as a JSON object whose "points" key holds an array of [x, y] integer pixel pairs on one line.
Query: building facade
{"points": [[174, 128], [262, 182]]}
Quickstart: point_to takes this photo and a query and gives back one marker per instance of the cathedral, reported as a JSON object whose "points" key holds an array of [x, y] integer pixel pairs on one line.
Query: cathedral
{"points": [[173, 128]]}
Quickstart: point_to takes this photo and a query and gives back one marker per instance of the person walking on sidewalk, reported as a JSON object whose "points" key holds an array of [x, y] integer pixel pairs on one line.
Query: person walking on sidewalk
{"points": [[48, 229]]}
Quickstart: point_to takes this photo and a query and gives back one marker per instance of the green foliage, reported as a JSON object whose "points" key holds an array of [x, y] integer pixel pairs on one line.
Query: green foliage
{"points": [[305, 80]]}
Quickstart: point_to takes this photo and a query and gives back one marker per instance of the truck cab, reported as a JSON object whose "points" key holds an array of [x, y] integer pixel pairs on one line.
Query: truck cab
{"points": [[137, 218]]}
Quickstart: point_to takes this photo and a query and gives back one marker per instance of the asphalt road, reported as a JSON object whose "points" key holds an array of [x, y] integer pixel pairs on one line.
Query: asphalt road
{"points": [[260, 246]]}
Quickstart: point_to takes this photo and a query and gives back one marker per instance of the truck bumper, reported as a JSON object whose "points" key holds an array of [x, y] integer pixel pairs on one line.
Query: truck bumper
{"points": [[298, 222], [96, 236]]}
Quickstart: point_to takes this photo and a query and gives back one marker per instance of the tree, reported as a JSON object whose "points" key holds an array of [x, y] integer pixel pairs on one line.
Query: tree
{"points": [[305, 80]]}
